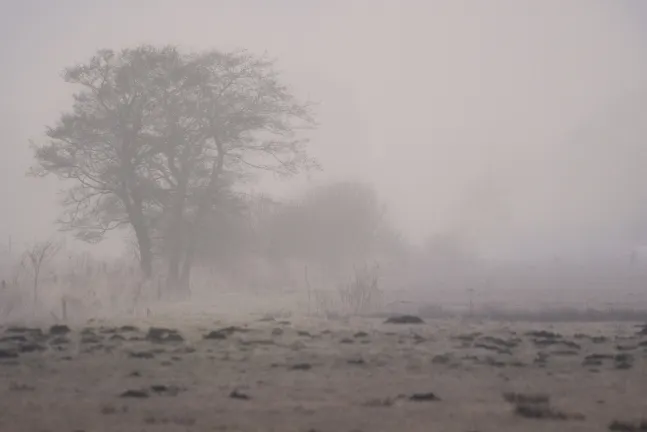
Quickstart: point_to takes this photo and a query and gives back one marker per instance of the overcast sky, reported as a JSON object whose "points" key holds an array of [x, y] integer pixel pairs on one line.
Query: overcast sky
{"points": [[513, 122]]}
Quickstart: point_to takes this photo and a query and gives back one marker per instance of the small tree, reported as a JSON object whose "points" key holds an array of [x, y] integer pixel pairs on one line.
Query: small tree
{"points": [[38, 255], [363, 292]]}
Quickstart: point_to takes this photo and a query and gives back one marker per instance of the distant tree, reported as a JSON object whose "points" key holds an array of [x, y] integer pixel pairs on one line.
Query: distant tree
{"points": [[156, 138], [38, 255], [335, 225]]}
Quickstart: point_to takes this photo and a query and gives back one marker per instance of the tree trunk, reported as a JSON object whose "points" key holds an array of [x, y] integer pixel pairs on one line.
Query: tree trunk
{"points": [[183, 235], [178, 278], [36, 276], [175, 239], [185, 275], [145, 245], [191, 234], [175, 245], [132, 199], [189, 247], [180, 261], [146, 261], [173, 273]]}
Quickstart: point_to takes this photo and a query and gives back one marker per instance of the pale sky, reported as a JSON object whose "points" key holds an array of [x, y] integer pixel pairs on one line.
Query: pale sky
{"points": [[513, 122]]}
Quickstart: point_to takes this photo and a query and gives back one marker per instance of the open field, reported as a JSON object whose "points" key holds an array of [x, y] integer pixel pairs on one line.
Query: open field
{"points": [[255, 372]]}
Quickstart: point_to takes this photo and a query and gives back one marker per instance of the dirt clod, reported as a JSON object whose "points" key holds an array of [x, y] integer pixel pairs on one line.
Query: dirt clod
{"points": [[404, 319]]}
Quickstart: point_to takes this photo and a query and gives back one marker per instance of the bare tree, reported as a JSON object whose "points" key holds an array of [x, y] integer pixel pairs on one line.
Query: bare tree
{"points": [[38, 255], [335, 225], [103, 144], [156, 138], [237, 120]]}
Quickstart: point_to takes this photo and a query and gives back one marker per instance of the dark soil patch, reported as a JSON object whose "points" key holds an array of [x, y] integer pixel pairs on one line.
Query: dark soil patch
{"points": [[552, 342], [442, 359], [30, 347], [491, 361], [301, 366], [90, 338], [597, 356], [6, 353], [628, 426], [470, 337], [404, 319], [142, 355], [543, 334], [594, 339], [626, 347], [60, 340], [565, 353], [32, 331], [537, 406], [526, 398], [587, 362], [546, 412], [494, 348], [624, 365], [624, 361], [235, 394], [424, 397], [137, 394], [165, 390], [233, 329], [14, 338], [215, 335], [163, 335], [59, 329], [541, 359], [623, 357], [507, 343]]}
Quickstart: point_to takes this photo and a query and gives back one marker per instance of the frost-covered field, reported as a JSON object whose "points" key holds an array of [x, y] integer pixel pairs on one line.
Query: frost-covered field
{"points": [[236, 370]]}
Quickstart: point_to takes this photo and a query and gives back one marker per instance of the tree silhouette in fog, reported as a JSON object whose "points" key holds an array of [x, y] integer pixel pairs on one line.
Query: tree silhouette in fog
{"points": [[156, 139]]}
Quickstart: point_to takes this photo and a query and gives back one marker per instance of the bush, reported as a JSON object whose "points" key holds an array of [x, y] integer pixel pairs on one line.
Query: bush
{"points": [[362, 294]]}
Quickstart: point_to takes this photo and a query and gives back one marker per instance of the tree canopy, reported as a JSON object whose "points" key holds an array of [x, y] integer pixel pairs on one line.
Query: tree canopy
{"points": [[156, 139]]}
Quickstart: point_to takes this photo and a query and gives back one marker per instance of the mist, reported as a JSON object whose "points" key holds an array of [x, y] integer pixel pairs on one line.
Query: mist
{"points": [[504, 139], [515, 124], [323, 215]]}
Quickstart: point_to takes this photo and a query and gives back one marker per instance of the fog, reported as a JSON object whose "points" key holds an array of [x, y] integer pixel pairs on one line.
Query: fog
{"points": [[323, 215], [513, 128], [515, 123]]}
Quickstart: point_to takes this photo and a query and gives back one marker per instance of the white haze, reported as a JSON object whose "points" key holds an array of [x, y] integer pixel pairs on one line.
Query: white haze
{"points": [[516, 124]]}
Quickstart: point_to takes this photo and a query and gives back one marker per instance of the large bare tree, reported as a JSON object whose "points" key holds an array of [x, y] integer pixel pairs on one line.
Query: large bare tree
{"points": [[102, 146], [156, 138], [234, 119]]}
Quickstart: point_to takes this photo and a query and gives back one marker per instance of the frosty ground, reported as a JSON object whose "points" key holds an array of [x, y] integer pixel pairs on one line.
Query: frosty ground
{"points": [[270, 372]]}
